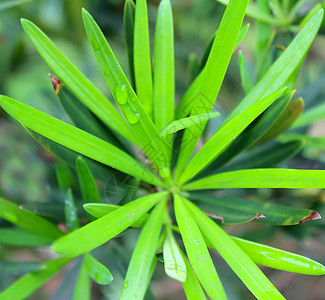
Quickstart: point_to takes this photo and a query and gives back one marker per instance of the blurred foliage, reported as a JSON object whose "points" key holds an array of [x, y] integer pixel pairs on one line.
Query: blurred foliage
{"points": [[27, 171]]}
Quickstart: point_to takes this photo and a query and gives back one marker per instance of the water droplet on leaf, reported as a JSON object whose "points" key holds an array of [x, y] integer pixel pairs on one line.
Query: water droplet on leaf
{"points": [[121, 94]]}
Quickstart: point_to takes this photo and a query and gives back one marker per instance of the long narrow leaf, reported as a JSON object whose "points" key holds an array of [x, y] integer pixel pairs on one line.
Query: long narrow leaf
{"points": [[138, 273], [311, 116], [22, 238], [76, 81], [71, 213], [135, 114], [203, 92], [279, 259], [164, 74], [76, 139], [237, 208], [28, 220], [223, 137], [82, 290], [142, 60], [284, 66], [191, 286], [82, 240], [89, 190], [262, 178], [244, 75], [236, 258], [187, 122], [197, 251], [128, 21], [99, 210]]}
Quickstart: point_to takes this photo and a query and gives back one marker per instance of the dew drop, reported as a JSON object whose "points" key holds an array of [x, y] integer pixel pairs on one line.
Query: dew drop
{"points": [[121, 94], [125, 285], [131, 116], [107, 72], [164, 172]]}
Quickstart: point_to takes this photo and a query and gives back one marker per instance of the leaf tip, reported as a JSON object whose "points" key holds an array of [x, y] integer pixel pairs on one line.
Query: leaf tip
{"points": [[56, 83], [258, 217], [312, 217]]}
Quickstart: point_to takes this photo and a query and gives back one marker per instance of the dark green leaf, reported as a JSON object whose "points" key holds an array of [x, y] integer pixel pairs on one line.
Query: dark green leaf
{"points": [[29, 283], [11, 268], [71, 214], [82, 290], [89, 190], [237, 207]]}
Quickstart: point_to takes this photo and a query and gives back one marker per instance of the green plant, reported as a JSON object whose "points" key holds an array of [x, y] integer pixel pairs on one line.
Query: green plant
{"points": [[168, 174]]}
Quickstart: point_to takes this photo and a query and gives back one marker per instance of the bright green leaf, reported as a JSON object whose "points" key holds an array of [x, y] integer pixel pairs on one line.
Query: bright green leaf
{"points": [[97, 271], [262, 178], [76, 81], [82, 290], [139, 272], [224, 136], [76, 139], [244, 75], [28, 220], [187, 122], [82, 240], [197, 251], [235, 257]]}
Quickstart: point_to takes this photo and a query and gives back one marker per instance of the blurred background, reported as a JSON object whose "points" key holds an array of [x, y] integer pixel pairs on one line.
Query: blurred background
{"points": [[27, 173]]}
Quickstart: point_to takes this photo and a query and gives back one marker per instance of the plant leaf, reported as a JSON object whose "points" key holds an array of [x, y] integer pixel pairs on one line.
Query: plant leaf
{"points": [[267, 157], [187, 122], [29, 283], [314, 142], [80, 115], [241, 264], [12, 3], [76, 81], [193, 67], [164, 74], [236, 207], [128, 21], [279, 259], [97, 271], [244, 75], [21, 238], [284, 66], [310, 116], [173, 261], [191, 286], [203, 92], [128, 101], [262, 178], [99, 210], [197, 251], [28, 220], [138, 274], [142, 61], [89, 190], [285, 121], [69, 156], [76, 139], [64, 177], [82, 290], [71, 214], [224, 136], [82, 240]]}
